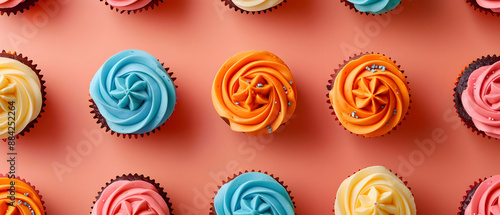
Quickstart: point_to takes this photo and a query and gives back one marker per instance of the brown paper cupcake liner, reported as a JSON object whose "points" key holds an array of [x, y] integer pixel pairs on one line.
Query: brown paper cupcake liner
{"points": [[231, 5], [29, 63], [136, 177], [461, 85], [400, 178], [101, 120], [230, 178], [351, 7], [331, 82], [475, 5], [468, 196], [20, 8], [150, 6], [32, 186]]}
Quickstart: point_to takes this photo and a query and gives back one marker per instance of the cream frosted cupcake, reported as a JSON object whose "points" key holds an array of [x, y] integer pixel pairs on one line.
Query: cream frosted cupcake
{"points": [[253, 6], [132, 6], [374, 191], [15, 6]]}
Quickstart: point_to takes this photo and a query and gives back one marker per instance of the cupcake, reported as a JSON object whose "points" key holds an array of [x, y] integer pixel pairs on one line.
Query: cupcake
{"points": [[15, 6], [132, 94], [482, 197], [374, 190], [254, 92], [19, 197], [132, 194], [486, 6], [253, 193], [477, 96], [22, 95], [371, 6], [253, 6], [132, 6], [369, 95]]}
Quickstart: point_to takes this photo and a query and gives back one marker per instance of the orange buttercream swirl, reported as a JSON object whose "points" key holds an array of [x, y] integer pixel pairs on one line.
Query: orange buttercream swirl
{"points": [[255, 91], [370, 95], [24, 200]]}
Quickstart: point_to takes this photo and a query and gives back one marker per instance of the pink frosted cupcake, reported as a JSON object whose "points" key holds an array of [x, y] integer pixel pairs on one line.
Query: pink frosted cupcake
{"points": [[14, 6], [130, 6], [486, 6], [482, 197]]}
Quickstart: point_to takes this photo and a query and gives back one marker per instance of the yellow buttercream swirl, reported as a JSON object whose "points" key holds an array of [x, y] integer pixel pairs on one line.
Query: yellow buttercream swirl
{"points": [[374, 191], [370, 95], [26, 200], [20, 86]]}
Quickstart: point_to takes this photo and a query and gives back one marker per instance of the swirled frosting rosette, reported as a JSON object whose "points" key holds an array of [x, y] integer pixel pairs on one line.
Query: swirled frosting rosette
{"points": [[22, 95], [477, 96], [132, 93], [374, 191], [372, 6], [486, 6], [18, 197], [132, 195], [132, 6], [253, 193], [369, 95], [482, 198], [253, 6], [255, 92], [15, 6]]}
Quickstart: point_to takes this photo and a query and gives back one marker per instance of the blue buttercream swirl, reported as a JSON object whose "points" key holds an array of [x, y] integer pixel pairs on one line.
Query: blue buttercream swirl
{"points": [[133, 92], [253, 193], [375, 6]]}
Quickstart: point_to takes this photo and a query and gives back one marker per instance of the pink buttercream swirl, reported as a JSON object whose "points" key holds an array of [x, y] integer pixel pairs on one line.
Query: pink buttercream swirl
{"points": [[485, 199], [128, 4], [493, 5], [481, 99], [9, 3], [130, 198]]}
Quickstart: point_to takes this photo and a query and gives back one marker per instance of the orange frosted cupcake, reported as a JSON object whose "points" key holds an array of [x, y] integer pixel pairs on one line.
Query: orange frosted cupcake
{"points": [[19, 197], [254, 92], [369, 95]]}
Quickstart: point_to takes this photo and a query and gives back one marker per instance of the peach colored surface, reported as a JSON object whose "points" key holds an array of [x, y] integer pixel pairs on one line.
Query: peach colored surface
{"points": [[432, 40]]}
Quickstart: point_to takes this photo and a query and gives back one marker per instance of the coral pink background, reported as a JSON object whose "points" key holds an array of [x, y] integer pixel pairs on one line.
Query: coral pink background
{"points": [[432, 40]]}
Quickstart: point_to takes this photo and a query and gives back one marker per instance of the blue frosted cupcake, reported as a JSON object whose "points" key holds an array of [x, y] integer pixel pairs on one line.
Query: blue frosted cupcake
{"points": [[372, 6], [132, 94], [253, 193]]}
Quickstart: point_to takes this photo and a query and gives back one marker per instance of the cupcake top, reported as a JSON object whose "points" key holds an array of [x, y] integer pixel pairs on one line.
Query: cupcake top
{"points": [[493, 5], [375, 6], [27, 200], [255, 92], [133, 92], [370, 95], [128, 4], [485, 198], [134, 197], [9, 3], [253, 193], [374, 191], [20, 95], [481, 99], [256, 5]]}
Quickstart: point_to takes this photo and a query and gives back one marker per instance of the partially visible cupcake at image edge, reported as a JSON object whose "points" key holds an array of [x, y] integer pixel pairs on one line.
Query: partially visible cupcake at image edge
{"points": [[253, 193], [27, 199], [374, 190], [481, 197], [132, 194], [15, 6], [132, 94], [486, 6], [132, 6], [373, 7], [477, 96], [254, 92], [254, 6], [22, 95], [369, 95]]}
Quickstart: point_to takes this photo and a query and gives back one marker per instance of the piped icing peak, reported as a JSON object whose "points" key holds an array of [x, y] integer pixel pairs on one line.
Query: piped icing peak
{"points": [[374, 191], [255, 92]]}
